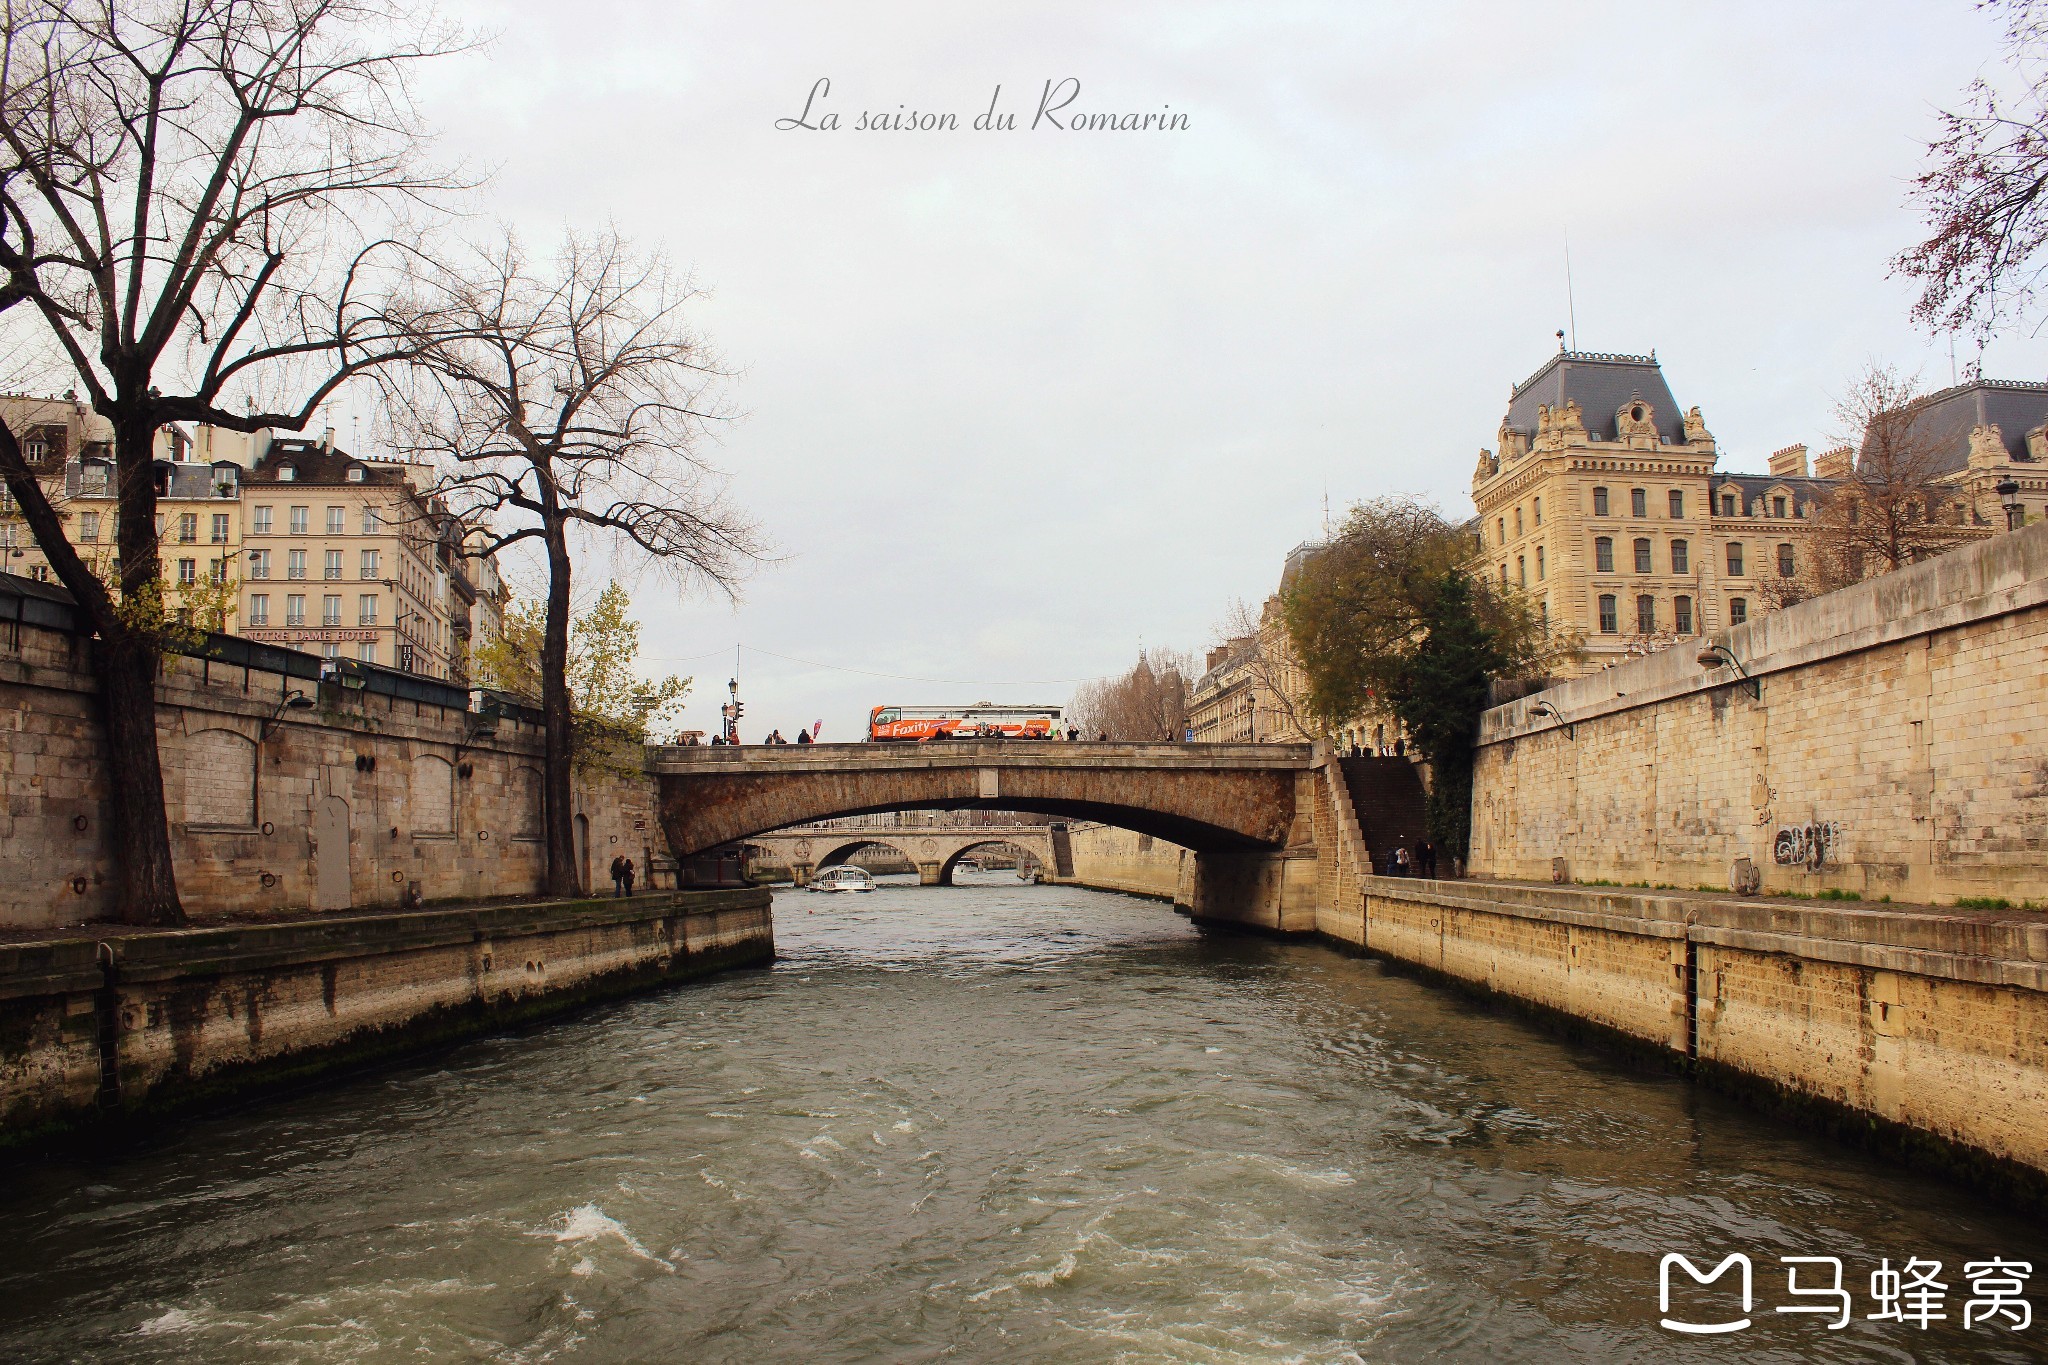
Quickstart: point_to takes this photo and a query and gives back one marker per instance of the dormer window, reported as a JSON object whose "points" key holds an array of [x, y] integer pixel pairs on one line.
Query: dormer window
{"points": [[286, 474], [355, 474]]}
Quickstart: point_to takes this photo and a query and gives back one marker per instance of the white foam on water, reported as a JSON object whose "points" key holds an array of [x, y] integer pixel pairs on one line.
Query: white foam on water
{"points": [[589, 1223], [168, 1323]]}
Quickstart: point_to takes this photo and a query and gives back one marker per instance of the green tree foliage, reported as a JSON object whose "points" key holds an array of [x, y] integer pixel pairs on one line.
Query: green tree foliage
{"points": [[1388, 617], [613, 706]]}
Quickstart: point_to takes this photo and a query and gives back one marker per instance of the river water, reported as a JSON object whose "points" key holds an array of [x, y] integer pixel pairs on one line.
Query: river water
{"points": [[996, 1123]]}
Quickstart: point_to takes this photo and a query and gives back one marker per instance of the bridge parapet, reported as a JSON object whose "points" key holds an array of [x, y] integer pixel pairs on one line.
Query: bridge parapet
{"points": [[786, 758]]}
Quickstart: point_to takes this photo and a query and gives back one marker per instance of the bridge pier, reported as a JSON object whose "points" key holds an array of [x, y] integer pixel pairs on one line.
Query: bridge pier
{"points": [[800, 873], [929, 874], [1255, 889]]}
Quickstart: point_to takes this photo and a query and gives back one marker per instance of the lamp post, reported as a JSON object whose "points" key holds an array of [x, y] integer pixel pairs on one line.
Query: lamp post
{"points": [[2009, 497], [1719, 656]]}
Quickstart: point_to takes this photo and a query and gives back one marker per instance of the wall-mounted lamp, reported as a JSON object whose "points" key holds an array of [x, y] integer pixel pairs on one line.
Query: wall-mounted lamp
{"points": [[294, 700], [1718, 656], [1544, 708], [2008, 492]]}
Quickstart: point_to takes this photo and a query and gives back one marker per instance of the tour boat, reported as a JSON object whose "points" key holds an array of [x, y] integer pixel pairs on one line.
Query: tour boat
{"points": [[845, 877]]}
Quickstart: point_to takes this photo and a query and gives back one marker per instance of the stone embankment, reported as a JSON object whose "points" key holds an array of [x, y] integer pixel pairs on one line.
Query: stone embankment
{"points": [[99, 1030]]}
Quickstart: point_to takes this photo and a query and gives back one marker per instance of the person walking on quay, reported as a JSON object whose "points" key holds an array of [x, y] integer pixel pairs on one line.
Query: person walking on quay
{"points": [[618, 875], [1402, 863], [626, 874], [1426, 858]]}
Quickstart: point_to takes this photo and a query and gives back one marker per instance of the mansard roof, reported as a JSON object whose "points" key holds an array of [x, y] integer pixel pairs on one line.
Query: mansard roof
{"points": [[1602, 384], [2015, 407]]}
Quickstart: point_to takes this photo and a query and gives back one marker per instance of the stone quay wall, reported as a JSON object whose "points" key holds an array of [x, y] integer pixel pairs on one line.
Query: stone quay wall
{"points": [[345, 805], [1898, 748], [1110, 859], [110, 1030], [1927, 1031]]}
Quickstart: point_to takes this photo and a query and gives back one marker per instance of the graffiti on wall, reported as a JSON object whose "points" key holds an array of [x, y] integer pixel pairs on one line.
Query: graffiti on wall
{"points": [[1812, 845]]}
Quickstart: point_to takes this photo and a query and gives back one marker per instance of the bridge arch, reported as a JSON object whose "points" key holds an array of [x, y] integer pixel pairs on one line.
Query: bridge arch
{"points": [[952, 860], [853, 846]]}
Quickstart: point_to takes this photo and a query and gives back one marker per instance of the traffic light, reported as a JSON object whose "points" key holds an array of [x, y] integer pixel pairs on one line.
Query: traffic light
{"points": [[739, 708]]}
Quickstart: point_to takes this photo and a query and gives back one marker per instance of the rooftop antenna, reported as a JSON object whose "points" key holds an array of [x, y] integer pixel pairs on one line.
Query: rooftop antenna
{"points": [[1570, 304], [1326, 509], [1952, 360]]}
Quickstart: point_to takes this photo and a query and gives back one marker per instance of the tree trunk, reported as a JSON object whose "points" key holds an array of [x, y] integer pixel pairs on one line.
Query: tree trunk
{"points": [[146, 883], [563, 876]]}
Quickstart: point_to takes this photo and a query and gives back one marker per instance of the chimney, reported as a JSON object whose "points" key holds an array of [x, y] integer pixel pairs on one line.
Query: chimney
{"points": [[1838, 463], [1217, 654], [327, 443], [1789, 463]]}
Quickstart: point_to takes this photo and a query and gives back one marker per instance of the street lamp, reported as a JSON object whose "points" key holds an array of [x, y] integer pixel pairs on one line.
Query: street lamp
{"points": [[1544, 708], [2009, 497], [294, 700], [1719, 656]]}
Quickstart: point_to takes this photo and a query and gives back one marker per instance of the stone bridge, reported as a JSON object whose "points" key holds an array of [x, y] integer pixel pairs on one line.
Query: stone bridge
{"points": [[933, 851], [1247, 810]]}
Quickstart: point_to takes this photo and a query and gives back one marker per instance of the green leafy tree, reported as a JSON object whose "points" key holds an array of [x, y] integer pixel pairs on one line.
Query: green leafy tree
{"points": [[613, 708], [1388, 617]]}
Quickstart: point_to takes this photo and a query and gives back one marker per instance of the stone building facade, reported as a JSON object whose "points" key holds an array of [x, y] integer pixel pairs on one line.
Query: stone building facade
{"points": [[1605, 502], [306, 545]]}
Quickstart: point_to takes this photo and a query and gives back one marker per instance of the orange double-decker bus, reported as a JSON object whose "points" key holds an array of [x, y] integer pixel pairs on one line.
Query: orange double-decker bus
{"points": [[983, 720]]}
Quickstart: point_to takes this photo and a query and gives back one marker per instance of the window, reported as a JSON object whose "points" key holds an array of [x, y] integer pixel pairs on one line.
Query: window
{"points": [[368, 653], [366, 609], [1603, 554], [299, 517], [1787, 566], [1727, 504], [286, 474], [295, 564], [369, 565], [355, 474], [1522, 570], [220, 528], [259, 563], [1500, 530], [39, 572], [1642, 556], [330, 609], [1738, 610], [188, 571], [89, 526], [371, 521], [259, 609], [1503, 574], [159, 526], [1681, 557], [1539, 511], [1609, 624], [337, 521], [1539, 564], [1681, 615], [1599, 502], [188, 527], [217, 570], [330, 651], [1638, 503], [1777, 507], [332, 568], [1677, 497], [1735, 559], [295, 610], [1518, 521], [1646, 615], [259, 523]]}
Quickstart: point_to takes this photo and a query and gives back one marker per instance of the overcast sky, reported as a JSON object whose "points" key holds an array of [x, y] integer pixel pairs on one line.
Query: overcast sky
{"points": [[1015, 401]]}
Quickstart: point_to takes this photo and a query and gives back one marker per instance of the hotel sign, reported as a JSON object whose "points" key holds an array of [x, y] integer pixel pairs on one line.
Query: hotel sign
{"points": [[316, 637]]}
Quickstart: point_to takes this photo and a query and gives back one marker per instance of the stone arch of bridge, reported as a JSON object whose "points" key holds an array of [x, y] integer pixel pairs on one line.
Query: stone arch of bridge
{"points": [[853, 846], [953, 859]]}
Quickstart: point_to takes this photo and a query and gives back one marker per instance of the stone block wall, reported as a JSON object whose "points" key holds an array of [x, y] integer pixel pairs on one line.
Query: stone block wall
{"points": [[343, 805], [1112, 859], [1899, 748]]}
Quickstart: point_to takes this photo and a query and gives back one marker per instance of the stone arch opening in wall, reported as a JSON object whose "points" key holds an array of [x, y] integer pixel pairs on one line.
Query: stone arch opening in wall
{"points": [[952, 863], [432, 798], [220, 780]]}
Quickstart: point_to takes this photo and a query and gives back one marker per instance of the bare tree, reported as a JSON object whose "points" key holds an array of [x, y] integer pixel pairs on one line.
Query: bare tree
{"points": [[1149, 702], [570, 399], [1984, 192], [190, 202], [1893, 509], [1263, 650]]}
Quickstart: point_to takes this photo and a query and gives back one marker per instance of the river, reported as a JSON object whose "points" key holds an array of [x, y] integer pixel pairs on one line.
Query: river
{"points": [[988, 1123]]}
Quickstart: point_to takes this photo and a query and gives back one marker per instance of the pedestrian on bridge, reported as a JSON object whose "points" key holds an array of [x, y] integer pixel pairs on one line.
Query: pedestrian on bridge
{"points": [[803, 736]]}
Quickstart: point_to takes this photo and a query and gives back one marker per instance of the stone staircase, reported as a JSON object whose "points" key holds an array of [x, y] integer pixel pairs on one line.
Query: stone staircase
{"points": [[1386, 804]]}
